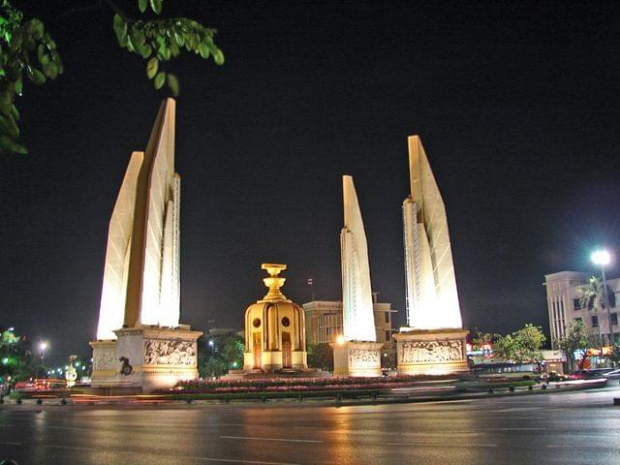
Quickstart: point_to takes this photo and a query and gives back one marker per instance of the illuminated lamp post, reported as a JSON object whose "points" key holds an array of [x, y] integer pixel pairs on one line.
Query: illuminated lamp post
{"points": [[212, 345], [42, 347], [602, 258]]}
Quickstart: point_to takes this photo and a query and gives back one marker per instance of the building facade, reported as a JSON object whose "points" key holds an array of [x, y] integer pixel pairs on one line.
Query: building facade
{"points": [[564, 294], [324, 321]]}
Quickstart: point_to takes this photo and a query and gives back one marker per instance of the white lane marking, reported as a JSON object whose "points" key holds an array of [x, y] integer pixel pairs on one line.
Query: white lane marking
{"points": [[517, 409], [57, 446], [426, 444], [582, 446], [514, 429], [254, 462], [271, 439], [6, 443], [67, 428]]}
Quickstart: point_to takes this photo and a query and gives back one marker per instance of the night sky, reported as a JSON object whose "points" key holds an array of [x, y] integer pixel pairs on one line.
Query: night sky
{"points": [[517, 104]]}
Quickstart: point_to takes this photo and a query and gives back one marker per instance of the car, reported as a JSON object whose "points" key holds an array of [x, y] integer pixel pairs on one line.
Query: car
{"points": [[589, 374], [614, 374], [553, 376]]}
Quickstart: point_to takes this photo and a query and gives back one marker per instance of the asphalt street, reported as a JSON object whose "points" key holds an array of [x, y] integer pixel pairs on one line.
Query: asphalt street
{"points": [[564, 428]]}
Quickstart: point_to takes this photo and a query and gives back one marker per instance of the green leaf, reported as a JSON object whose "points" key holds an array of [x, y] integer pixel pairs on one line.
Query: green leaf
{"points": [[14, 111], [37, 77], [218, 57], [50, 70], [36, 28], [160, 79], [10, 146], [173, 84], [156, 6], [19, 85], [137, 37], [120, 29], [151, 68], [8, 126], [142, 4], [179, 38], [145, 50], [204, 50]]}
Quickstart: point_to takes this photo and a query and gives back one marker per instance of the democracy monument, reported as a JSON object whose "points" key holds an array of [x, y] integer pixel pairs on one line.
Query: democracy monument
{"points": [[141, 346]]}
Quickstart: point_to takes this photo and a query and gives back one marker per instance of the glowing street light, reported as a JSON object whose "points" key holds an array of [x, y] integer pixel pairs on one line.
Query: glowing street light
{"points": [[42, 347], [212, 345], [602, 258]]}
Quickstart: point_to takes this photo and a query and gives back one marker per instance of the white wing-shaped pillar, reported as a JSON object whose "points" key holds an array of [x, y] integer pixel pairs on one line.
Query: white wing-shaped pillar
{"points": [[115, 274], [141, 284], [358, 318], [432, 298]]}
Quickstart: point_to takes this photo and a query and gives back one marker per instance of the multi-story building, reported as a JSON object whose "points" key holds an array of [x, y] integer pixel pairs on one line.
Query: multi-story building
{"points": [[564, 294], [324, 321]]}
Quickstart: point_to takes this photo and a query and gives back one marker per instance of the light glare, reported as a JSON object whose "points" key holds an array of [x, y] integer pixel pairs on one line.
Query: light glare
{"points": [[601, 257]]}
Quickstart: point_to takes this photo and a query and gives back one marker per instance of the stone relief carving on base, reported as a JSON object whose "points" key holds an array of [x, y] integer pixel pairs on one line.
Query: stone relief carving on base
{"points": [[432, 351], [104, 360], [162, 352], [363, 358]]}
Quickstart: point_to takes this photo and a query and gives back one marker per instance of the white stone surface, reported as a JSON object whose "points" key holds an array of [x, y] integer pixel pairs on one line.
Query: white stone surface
{"points": [[116, 275], [360, 359], [141, 284], [432, 299], [358, 316]]}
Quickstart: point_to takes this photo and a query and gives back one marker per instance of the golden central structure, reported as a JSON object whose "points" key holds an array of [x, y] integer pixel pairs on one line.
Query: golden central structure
{"points": [[434, 340], [275, 337]]}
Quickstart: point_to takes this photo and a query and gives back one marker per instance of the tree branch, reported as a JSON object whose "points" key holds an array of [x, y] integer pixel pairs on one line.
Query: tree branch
{"points": [[116, 9]]}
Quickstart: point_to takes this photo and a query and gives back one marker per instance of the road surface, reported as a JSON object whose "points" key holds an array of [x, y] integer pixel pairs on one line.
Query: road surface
{"points": [[555, 428]]}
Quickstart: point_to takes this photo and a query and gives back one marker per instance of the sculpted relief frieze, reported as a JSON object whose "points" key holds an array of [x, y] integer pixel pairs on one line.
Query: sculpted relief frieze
{"points": [[431, 351], [104, 360], [363, 358], [169, 352]]}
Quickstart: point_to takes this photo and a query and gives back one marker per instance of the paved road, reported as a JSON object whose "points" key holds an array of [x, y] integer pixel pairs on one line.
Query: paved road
{"points": [[562, 428]]}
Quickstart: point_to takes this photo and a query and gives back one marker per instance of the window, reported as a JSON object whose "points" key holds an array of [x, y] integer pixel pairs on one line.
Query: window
{"points": [[595, 321], [614, 319], [576, 304], [388, 335], [387, 317]]}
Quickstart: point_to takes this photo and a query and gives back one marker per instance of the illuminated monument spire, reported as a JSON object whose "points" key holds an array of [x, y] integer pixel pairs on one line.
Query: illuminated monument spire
{"points": [[432, 300], [433, 341], [141, 276], [140, 299], [357, 353], [358, 320]]}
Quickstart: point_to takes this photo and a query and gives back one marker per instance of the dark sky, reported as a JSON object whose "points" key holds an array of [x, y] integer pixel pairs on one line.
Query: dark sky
{"points": [[516, 104]]}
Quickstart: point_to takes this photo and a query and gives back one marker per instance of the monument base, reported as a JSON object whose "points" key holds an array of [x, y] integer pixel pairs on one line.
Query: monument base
{"points": [[145, 359], [354, 358], [431, 352]]}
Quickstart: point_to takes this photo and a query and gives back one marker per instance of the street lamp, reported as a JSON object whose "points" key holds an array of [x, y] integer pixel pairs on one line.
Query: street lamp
{"points": [[212, 345], [602, 258], [42, 347]]}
